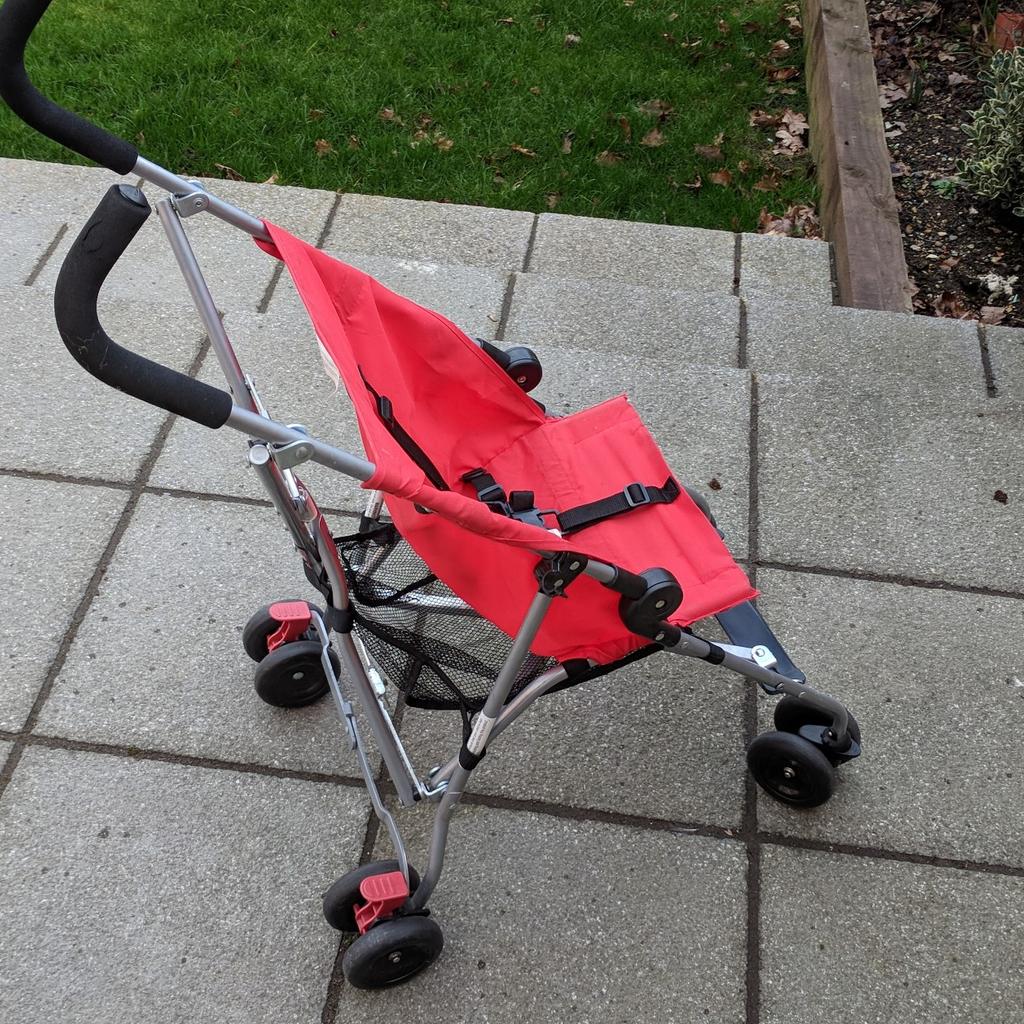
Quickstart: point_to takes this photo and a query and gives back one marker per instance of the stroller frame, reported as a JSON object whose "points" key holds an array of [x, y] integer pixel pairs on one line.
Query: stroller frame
{"points": [[275, 450]]}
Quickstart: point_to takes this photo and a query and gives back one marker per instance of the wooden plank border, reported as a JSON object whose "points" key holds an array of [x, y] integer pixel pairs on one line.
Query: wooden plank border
{"points": [[859, 212]]}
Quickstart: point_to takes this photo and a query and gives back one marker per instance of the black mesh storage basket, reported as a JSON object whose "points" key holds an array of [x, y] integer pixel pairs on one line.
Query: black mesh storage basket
{"points": [[440, 653]]}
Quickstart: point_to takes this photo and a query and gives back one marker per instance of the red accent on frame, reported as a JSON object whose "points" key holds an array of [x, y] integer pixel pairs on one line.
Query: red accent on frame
{"points": [[384, 894], [294, 619]]}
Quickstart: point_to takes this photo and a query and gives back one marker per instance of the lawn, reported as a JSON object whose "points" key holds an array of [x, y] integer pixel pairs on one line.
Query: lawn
{"points": [[590, 107]]}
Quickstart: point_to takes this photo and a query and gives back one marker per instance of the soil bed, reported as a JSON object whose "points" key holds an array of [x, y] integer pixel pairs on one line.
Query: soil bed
{"points": [[927, 58]]}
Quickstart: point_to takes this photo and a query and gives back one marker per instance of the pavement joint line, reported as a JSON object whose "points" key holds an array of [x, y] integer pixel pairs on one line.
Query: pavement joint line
{"points": [[991, 389], [737, 263], [900, 581], [92, 587], [66, 478], [188, 760], [45, 258], [525, 805], [742, 352], [232, 499], [753, 949], [880, 853], [527, 259], [506, 307]]}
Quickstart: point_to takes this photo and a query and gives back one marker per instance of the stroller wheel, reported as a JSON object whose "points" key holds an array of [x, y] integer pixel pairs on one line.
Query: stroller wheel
{"points": [[293, 675], [791, 769], [256, 631], [791, 714], [392, 952], [341, 898]]}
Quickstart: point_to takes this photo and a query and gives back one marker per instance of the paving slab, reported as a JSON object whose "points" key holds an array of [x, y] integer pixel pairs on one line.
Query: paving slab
{"points": [[65, 193], [863, 940], [936, 680], [786, 268], [65, 420], [860, 344], [700, 417], [158, 661], [236, 270], [659, 255], [668, 721], [282, 356], [609, 316], [1006, 352], [540, 920], [474, 236], [134, 890], [51, 539], [469, 296], [900, 479], [26, 240]]}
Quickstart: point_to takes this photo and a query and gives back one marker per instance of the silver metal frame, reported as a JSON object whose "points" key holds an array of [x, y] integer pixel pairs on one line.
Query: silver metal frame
{"points": [[274, 450]]}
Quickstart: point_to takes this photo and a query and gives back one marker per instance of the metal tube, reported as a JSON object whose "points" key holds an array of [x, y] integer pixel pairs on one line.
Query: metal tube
{"points": [[482, 727], [262, 427], [218, 207], [694, 647], [204, 303], [509, 713]]}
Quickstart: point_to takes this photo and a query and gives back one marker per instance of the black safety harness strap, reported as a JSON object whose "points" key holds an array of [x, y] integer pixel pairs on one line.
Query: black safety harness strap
{"points": [[404, 439], [637, 495], [630, 497]]}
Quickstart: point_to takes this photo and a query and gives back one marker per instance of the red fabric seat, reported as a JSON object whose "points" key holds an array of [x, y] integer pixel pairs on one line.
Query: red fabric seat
{"points": [[465, 413]]}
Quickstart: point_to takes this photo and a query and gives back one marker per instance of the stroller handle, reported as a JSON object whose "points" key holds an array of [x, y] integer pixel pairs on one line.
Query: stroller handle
{"points": [[18, 19], [115, 222]]}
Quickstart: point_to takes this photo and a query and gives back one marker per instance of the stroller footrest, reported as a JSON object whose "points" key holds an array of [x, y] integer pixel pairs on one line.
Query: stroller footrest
{"points": [[745, 627]]}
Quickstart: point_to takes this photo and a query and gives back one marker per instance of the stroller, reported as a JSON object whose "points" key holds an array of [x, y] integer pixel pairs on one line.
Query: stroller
{"points": [[504, 553]]}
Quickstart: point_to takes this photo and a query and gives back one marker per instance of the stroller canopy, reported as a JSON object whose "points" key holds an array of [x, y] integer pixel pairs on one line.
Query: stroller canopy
{"points": [[432, 406]]}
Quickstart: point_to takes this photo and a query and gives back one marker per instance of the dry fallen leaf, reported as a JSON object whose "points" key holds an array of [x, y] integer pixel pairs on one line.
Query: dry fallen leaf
{"points": [[799, 221], [794, 26], [950, 305], [315, 114], [571, 39], [567, 138], [521, 150], [955, 78], [535, 89], [762, 119], [506, 21], [992, 315], [322, 147], [714, 484], [228, 172], [779, 49], [443, 143], [1001, 496], [721, 177], [784, 74], [607, 158], [272, 180], [708, 152], [353, 142], [788, 144], [655, 108], [653, 138], [743, 167], [627, 128], [551, 198], [388, 114], [769, 183]]}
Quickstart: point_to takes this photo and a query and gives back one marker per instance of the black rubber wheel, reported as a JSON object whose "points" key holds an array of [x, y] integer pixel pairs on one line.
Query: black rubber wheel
{"points": [[392, 952], [256, 631], [791, 713], [791, 769], [293, 675], [341, 898]]}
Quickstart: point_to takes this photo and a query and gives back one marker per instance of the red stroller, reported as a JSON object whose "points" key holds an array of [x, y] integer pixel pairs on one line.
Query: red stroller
{"points": [[504, 552]]}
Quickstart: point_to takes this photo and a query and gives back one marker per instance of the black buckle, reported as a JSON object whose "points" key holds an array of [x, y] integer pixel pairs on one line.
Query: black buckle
{"points": [[630, 490], [493, 494]]}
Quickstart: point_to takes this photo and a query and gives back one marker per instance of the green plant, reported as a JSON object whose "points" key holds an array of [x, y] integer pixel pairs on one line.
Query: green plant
{"points": [[995, 167]]}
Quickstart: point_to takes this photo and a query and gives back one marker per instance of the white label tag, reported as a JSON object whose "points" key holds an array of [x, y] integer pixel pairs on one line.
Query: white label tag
{"points": [[482, 726]]}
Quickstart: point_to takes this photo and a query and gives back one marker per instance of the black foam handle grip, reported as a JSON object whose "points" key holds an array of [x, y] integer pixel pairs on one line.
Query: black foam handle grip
{"points": [[115, 222], [18, 18]]}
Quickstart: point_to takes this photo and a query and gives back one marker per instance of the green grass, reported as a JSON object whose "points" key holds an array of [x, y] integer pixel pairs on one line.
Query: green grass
{"points": [[255, 84]]}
